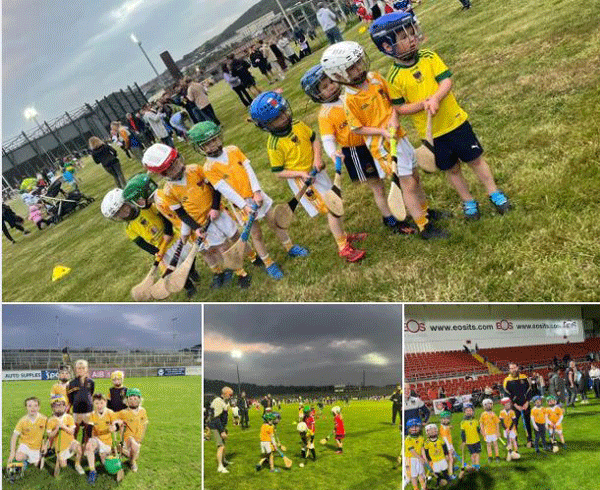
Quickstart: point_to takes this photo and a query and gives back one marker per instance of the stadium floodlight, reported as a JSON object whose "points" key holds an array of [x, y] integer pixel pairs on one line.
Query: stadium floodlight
{"points": [[236, 354], [135, 40], [30, 113]]}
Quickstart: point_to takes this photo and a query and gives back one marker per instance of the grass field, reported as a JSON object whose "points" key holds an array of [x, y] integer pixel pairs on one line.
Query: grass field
{"points": [[170, 456], [371, 448], [526, 72], [574, 468]]}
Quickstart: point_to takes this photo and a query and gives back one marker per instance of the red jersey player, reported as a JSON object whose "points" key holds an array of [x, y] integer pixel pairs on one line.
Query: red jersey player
{"points": [[338, 423]]}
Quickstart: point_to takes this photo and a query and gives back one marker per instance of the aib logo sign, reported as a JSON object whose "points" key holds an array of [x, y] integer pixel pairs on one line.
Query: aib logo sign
{"points": [[413, 326], [504, 325]]}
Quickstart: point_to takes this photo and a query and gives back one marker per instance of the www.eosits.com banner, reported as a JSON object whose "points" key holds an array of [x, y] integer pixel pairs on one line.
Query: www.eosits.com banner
{"points": [[450, 334]]}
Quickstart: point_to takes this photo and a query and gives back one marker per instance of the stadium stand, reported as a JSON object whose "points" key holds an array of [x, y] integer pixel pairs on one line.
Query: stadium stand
{"points": [[423, 365]]}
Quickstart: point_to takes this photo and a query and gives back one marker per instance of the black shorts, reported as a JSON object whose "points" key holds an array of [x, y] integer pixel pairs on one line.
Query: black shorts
{"points": [[359, 163], [474, 448], [459, 144]]}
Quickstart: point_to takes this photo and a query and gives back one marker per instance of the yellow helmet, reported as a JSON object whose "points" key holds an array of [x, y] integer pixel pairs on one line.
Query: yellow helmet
{"points": [[57, 399], [117, 374]]}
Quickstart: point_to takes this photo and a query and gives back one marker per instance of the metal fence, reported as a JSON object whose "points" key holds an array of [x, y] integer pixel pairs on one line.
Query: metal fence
{"points": [[41, 148], [25, 359]]}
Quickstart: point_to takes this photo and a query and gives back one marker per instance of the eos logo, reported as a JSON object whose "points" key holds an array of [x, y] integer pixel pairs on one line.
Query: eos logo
{"points": [[504, 325], [413, 326], [570, 325]]}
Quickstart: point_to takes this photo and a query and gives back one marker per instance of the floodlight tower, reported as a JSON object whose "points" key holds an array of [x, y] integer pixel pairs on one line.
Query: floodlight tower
{"points": [[135, 40], [237, 354]]}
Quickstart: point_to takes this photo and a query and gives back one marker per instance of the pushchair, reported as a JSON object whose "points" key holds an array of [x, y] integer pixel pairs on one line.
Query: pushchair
{"points": [[60, 207]]}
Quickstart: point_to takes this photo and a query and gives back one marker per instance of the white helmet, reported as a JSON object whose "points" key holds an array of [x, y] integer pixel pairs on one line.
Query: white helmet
{"points": [[159, 157], [112, 202], [430, 427], [337, 58], [487, 401], [336, 410], [302, 427]]}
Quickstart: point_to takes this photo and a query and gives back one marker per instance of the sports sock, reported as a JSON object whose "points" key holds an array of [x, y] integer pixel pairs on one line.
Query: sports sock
{"points": [[287, 245], [252, 255], [425, 206], [268, 261], [240, 273], [422, 222], [341, 241]]}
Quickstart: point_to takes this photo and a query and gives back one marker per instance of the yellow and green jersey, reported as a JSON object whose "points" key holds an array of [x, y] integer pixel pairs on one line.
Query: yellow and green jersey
{"points": [[469, 430], [410, 84], [294, 151], [413, 443], [435, 450]]}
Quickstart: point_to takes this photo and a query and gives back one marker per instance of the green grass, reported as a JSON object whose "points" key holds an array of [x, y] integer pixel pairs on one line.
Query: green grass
{"points": [[526, 72], [170, 455], [573, 468], [371, 447]]}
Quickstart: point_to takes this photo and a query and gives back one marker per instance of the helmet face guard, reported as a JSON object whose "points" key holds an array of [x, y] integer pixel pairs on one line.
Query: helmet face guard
{"points": [[397, 35], [346, 63], [140, 186], [203, 133]]}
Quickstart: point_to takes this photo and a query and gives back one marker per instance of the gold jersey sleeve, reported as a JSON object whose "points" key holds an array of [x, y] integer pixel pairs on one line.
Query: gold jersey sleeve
{"points": [[332, 122], [446, 433], [162, 204], [266, 432], [65, 438], [490, 422], [102, 424], [230, 168], [135, 422], [539, 415], [193, 192], [59, 389], [554, 413]]}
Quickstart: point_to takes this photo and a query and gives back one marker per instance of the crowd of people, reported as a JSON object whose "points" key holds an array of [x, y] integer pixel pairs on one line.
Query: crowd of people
{"points": [[112, 426]]}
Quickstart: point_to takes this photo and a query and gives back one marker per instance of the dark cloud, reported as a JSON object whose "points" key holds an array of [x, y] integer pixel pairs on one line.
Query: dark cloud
{"points": [[101, 325], [59, 58], [304, 344]]}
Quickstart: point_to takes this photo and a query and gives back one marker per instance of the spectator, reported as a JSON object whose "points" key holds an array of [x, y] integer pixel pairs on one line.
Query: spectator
{"points": [[196, 93], [272, 58], [138, 127], [107, 156], [328, 21], [258, 60], [557, 385], [244, 407], [218, 426], [236, 84], [126, 140], [177, 122], [414, 407], [278, 54], [13, 220], [584, 385], [396, 398], [241, 68], [155, 120], [517, 387], [288, 51], [35, 216], [595, 379], [302, 42], [573, 376]]}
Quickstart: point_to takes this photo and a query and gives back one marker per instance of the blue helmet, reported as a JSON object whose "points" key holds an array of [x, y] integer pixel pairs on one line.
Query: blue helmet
{"points": [[467, 405], [310, 84], [536, 398], [266, 107], [414, 425], [383, 31]]}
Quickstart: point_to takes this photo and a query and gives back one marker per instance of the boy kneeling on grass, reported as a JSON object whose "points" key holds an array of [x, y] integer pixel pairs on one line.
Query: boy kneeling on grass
{"points": [[30, 433], [61, 430]]}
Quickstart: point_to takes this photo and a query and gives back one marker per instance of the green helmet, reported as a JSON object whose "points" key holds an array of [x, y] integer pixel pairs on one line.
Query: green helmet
{"points": [[551, 397], [113, 464], [203, 132], [306, 408], [140, 186], [445, 414], [269, 416], [133, 392]]}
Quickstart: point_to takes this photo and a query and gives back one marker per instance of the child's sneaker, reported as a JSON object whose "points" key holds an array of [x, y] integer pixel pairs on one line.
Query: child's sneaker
{"points": [[92, 477], [275, 470], [222, 469], [339, 451], [79, 469], [500, 202], [244, 281], [190, 290], [298, 251], [351, 254], [134, 467], [219, 280], [497, 459], [431, 232], [399, 227], [274, 271], [257, 262], [509, 457], [356, 237], [471, 210], [258, 466], [437, 214]]}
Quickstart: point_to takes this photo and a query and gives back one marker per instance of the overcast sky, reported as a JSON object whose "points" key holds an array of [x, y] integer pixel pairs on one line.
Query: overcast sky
{"points": [[101, 325], [300, 344], [59, 55]]}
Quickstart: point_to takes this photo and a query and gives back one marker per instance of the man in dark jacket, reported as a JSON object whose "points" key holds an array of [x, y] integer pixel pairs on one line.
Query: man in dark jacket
{"points": [[518, 389], [396, 398], [244, 408]]}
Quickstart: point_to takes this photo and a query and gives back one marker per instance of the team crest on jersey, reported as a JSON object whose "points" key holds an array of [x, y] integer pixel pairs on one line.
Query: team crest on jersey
{"points": [[344, 124], [417, 75], [144, 221], [364, 106], [294, 138]]}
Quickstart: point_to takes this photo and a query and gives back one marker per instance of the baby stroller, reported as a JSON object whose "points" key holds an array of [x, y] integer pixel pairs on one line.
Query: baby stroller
{"points": [[59, 207]]}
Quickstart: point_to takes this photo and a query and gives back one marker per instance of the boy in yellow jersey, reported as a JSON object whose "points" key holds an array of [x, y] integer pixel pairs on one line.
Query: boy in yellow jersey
{"points": [[508, 420], [133, 429], [30, 433], [370, 113], [293, 152], [60, 388], [103, 425], [230, 173], [61, 430], [188, 193], [438, 455], [469, 434], [490, 430], [539, 421], [267, 442], [555, 417], [420, 84], [357, 158], [413, 454]]}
